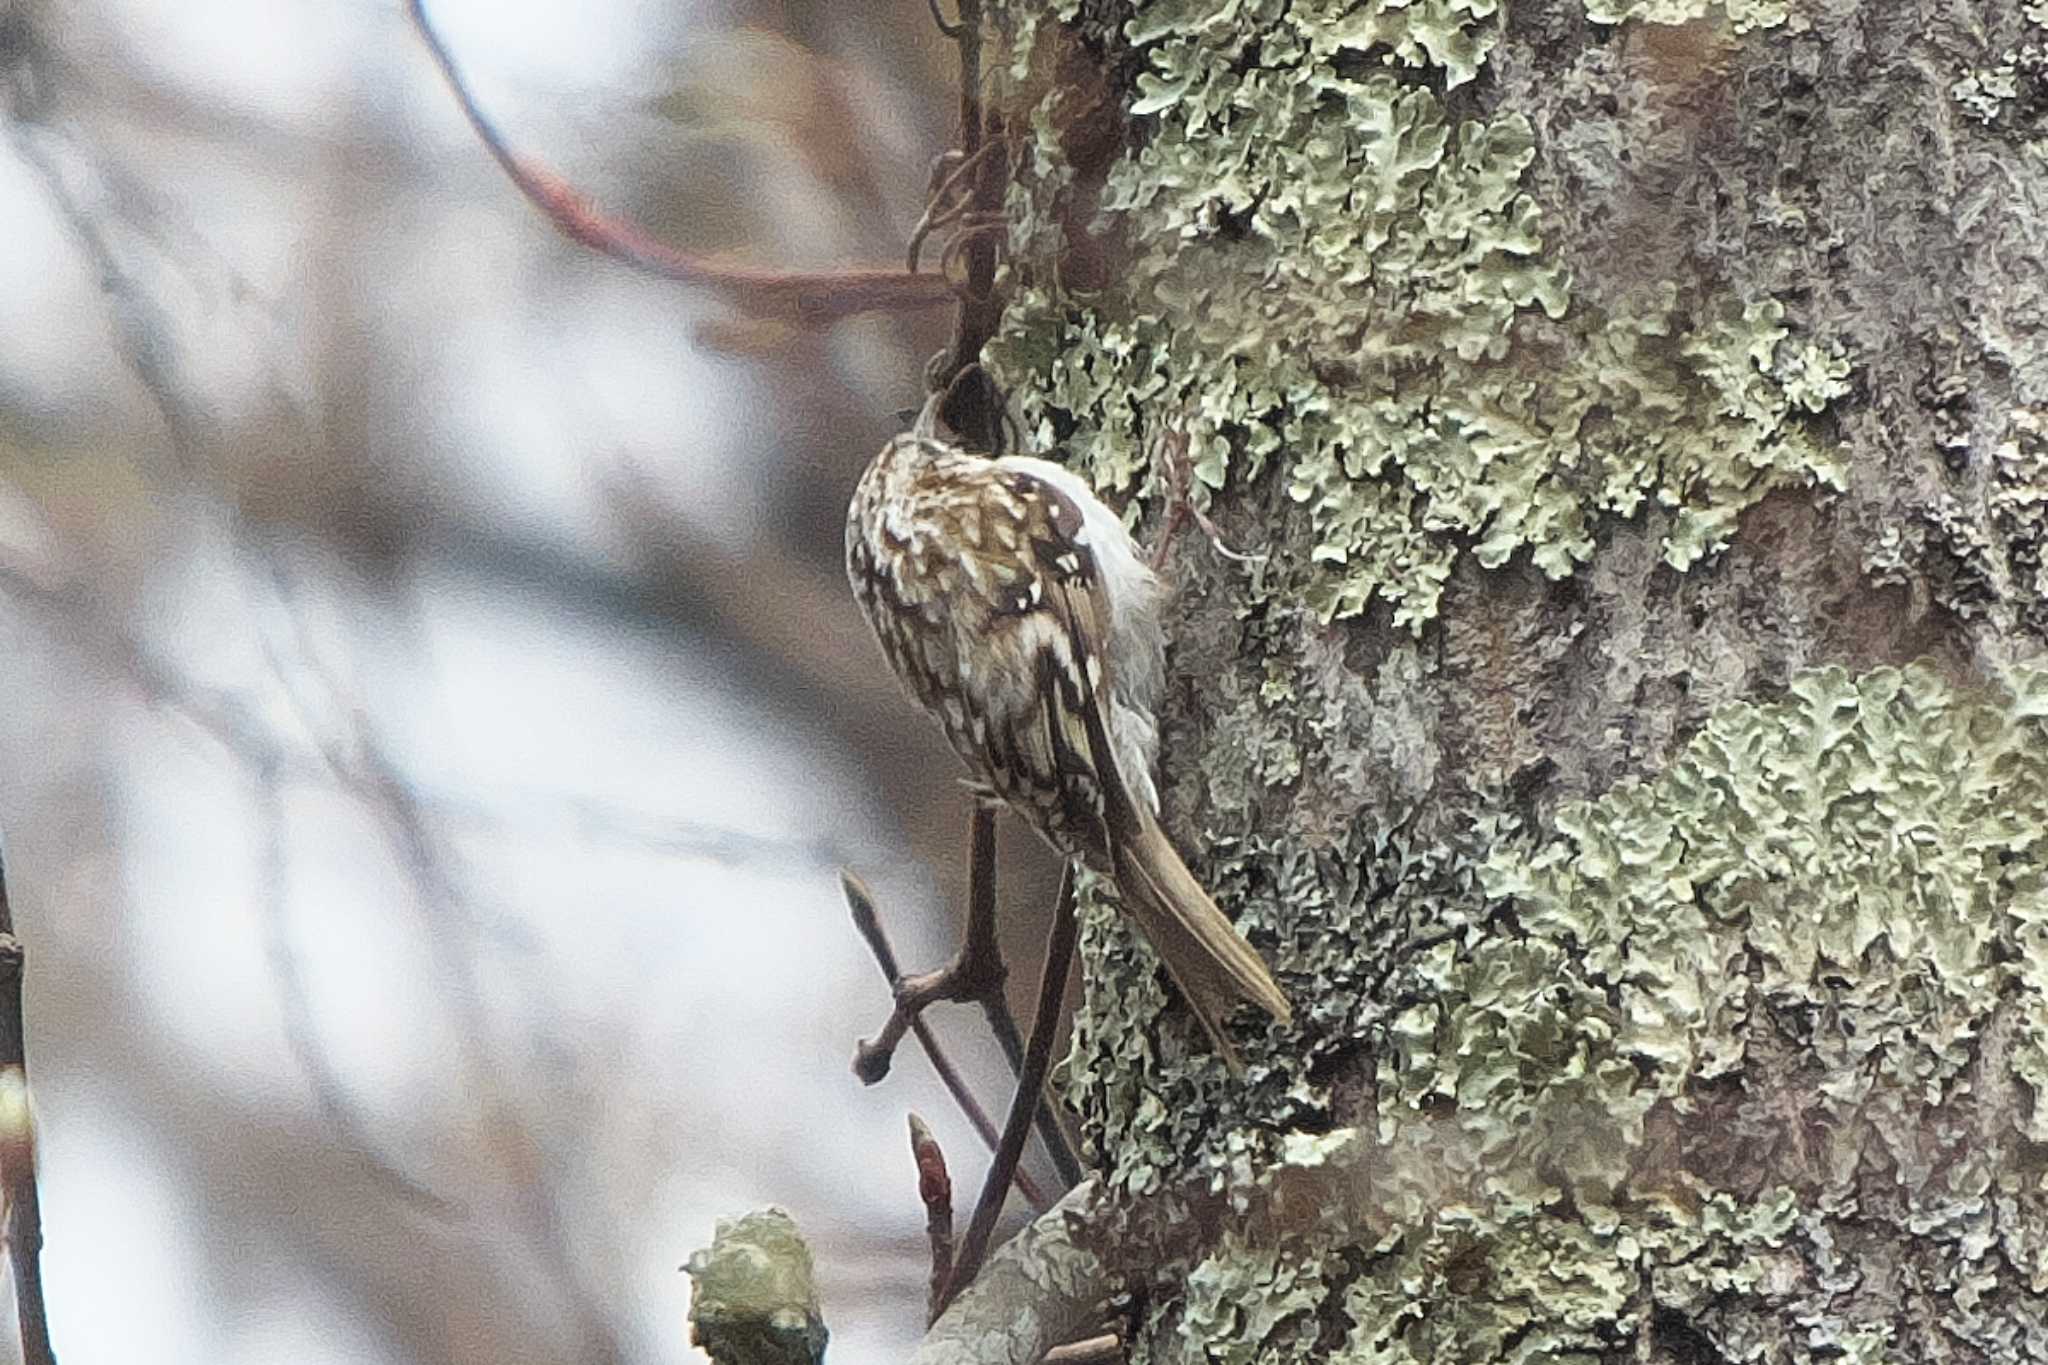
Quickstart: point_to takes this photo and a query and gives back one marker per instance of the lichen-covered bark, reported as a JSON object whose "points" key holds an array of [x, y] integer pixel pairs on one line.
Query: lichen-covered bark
{"points": [[1625, 745]]}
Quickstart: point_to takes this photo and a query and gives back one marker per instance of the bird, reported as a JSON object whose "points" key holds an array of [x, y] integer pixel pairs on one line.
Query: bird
{"points": [[1015, 608]]}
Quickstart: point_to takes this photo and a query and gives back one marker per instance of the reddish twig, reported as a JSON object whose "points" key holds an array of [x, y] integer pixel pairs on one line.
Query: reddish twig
{"points": [[811, 298], [1052, 987], [935, 1189], [24, 1210], [861, 902]]}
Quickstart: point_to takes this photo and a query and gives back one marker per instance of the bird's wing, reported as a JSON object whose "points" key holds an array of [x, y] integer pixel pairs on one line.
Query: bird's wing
{"points": [[1049, 631], [1213, 967]]}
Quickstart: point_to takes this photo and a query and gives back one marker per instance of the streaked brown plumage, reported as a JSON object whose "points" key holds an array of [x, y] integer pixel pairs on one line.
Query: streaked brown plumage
{"points": [[1014, 606]]}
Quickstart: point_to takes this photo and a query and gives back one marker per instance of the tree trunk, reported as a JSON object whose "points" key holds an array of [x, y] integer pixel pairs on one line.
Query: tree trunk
{"points": [[1623, 742]]}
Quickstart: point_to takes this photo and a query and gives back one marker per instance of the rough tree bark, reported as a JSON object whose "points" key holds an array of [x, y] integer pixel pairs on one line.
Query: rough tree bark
{"points": [[1625, 747]]}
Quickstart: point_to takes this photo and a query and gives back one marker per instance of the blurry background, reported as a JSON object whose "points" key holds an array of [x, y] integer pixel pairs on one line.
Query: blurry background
{"points": [[432, 717]]}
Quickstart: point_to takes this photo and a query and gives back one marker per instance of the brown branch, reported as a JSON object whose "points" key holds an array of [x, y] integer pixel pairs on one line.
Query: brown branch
{"points": [[24, 1210], [809, 298], [935, 1189], [943, 203], [976, 975], [1105, 1349], [980, 310], [951, 30], [861, 902], [975, 230], [995, 1003], [1052, 987]]}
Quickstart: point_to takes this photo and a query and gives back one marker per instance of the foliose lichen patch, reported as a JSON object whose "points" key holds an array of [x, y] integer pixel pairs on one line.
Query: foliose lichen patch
{"points": [[1331, 271], [1591, 1051], [1754, 1050]]}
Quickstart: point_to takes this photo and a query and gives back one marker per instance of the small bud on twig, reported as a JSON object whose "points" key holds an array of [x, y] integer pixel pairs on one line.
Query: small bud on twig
{"points": [[935, 1188]]}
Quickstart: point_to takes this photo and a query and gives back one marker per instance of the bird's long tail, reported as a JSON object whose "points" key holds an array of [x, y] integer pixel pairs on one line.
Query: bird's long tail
{"points": [[1213, 967]]}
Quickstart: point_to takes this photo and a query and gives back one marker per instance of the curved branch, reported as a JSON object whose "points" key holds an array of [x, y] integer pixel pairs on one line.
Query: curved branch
{"points": [[811, 298]]}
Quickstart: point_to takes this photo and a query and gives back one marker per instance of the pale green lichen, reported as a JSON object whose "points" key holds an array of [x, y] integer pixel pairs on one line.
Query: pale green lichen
{"points": [[1588, 1117], [1432, 33], [1140, 1069], [1742, 15], [2018, 501], [1547, 1291], [1244, 1301], [1332, 273], [754, 1298], [1870, 855], [1880, 822], [1323, 274], [1984, 92]]}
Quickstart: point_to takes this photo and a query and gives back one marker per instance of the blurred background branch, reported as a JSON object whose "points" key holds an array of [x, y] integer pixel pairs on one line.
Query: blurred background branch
{"points": [[436, 713], [18, 1150], [813, 298]]}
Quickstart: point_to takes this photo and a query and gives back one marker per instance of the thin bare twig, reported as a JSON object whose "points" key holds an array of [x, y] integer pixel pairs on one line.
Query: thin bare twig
{"points": [[995, 1003], [151, 352], [976, 974], [935, 1189], [976, 228], [980, 310], [810, 298], [1052, 987], [981, 943], [861, 902], [363, 765], [942, 204], [232, 724], [24, 1210]]}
